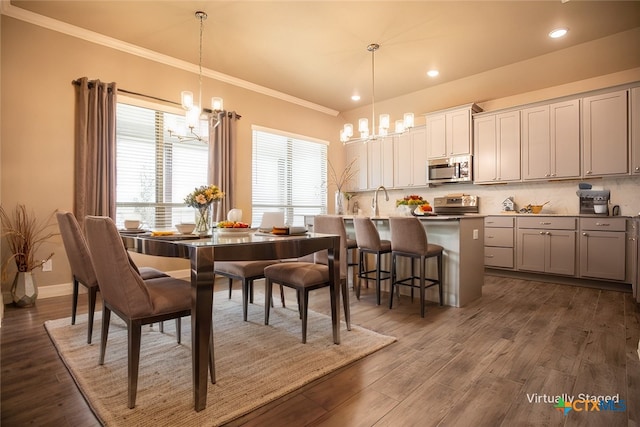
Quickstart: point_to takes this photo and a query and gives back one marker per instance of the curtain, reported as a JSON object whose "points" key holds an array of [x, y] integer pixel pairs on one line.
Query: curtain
{"points": [[95, 149], [222, 155]]}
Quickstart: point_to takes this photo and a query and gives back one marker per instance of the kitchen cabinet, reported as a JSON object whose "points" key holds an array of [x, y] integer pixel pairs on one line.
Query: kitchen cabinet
{"points": [[410, 159], [358, 151], [449, 133], [499, 242], [603, 245], [496, 140], [380, 162], [634, 114], [546, 245], [551, 141], [604, 134]]}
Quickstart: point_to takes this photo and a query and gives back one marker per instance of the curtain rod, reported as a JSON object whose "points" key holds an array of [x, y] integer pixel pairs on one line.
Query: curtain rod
{"points": [[206, 110]]}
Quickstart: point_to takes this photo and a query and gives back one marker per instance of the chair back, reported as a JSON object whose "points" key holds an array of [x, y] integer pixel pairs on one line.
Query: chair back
{"points": [[408, 235], [120, 284], [332, 224], [76, 248], [272, 219], [367, 234]]}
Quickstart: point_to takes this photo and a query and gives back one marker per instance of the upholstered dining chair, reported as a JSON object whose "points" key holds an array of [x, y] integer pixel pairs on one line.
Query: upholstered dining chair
{"points": [[82, 271], [307, 276], [409, 239], [136, 301], [369, 242]]}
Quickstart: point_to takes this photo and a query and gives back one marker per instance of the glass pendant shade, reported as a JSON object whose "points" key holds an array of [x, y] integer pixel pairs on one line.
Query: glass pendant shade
{"points": [[217, 104], [408, 120], [348, 130], [399, 126], [363, 125], [193, 117], [384, 121], [187, 99]]}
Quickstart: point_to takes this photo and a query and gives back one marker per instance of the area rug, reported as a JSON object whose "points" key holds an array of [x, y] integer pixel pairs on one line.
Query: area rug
{"points": [[255, 364]]}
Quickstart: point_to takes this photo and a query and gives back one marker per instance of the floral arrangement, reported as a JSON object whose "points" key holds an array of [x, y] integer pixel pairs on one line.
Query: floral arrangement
{"points": [[412, 200], [203, 196], [24, 234], [345, 177]]}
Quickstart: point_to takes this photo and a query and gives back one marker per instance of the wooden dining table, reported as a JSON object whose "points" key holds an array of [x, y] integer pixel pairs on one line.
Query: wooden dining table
{"points": [[202, 252]]}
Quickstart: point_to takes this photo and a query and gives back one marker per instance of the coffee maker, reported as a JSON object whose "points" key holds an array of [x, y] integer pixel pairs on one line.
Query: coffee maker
{"points": [[594, 202]]}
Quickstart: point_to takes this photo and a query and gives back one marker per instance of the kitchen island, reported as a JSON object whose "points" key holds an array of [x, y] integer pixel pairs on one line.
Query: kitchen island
{"points": [[462, 237]]}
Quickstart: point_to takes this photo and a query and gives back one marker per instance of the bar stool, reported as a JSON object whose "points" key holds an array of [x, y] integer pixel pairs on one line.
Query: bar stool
{"points": [[369, 242], [409, 239], [352, 259]]}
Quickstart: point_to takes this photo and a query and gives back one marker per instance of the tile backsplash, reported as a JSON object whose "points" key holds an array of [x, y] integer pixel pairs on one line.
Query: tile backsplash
{"points": [[561, 195]]}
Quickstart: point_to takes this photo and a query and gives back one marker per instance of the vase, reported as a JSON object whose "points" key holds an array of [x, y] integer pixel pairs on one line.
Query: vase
{"points": [[339, 202], [216, 212], [24, 290], [203, 220]]}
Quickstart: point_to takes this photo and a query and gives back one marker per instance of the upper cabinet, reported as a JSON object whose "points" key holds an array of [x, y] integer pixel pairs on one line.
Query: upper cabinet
{"points": [[448, 132], [380, 162], [551, 141], [496, 139], [604, 134], [358, 151], [410, 159], [635, 130]]}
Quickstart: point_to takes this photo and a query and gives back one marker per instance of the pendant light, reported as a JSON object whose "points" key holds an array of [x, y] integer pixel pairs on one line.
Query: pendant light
{"points": [[384, 120]]}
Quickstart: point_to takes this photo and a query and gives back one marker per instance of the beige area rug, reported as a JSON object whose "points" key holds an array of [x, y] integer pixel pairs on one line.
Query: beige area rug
{"points": [[255, 364]]}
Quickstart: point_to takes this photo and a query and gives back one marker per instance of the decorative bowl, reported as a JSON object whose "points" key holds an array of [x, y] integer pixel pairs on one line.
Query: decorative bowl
{"points": [[185, 228]]}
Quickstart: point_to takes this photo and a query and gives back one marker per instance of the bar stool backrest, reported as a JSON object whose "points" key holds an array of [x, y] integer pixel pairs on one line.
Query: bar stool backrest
{"points": [[367, 234], [408, 235]]}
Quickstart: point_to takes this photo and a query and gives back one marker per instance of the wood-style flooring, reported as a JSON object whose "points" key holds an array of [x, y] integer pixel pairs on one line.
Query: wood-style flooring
{"points": [[483, 365]]}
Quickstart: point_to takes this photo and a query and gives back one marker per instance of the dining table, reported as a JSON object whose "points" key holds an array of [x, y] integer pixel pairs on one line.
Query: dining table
{"points": [[203, 251]]}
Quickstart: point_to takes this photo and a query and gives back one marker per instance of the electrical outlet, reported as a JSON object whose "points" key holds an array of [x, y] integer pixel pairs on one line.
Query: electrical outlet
{"points": [[475, 234], [47, 266]]}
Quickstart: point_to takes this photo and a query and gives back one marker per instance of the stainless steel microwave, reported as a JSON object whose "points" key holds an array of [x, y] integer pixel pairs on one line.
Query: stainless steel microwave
{"points": [[451, 169]]}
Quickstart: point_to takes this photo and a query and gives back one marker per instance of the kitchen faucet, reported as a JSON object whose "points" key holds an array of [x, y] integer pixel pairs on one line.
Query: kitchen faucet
{"points": [[374, 202]]}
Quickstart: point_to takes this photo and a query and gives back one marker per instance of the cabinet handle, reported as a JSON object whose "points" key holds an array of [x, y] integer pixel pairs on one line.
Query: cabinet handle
{"points": [[542, 233], [602, 224], [545, 223], [553, 174], [489, 237], [548, 233], [637, 169], [585, 234], [589, 172], [489, 256], [546, 175]]}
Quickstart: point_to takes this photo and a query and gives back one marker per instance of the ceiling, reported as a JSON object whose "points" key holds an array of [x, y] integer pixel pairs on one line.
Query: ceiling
{"points": [[316, 50]]}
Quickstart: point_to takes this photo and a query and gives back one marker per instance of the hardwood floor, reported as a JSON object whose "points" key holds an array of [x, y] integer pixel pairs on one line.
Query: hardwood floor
{"points": [[484, 364]]}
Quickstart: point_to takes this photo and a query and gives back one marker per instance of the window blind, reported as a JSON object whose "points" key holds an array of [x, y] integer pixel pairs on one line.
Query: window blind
{"points": [[289, 174], [155, 172]]}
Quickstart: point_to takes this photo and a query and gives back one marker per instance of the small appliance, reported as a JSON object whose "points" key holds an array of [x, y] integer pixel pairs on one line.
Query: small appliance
{"points": [[456, 204], [594, 202], [450, 169]]}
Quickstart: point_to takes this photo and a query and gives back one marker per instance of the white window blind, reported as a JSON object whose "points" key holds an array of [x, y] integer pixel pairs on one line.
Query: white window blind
{"points": [[289, 175], [155, 172]]}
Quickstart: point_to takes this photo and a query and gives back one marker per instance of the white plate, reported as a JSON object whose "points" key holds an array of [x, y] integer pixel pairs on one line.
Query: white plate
{"points": [[235, 230], [133, 230]]}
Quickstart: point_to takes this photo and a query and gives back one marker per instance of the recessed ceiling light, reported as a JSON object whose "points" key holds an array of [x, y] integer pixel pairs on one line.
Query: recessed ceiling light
{"points": [[355, 98], [433, 73], [558, 32]]}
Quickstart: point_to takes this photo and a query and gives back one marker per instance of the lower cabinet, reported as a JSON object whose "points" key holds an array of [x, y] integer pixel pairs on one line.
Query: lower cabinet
{"points": [[546, 245], [498, 242], [603, 244]]}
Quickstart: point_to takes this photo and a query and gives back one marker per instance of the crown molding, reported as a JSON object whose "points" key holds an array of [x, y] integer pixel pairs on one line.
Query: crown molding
{"points": [[6, 8]]}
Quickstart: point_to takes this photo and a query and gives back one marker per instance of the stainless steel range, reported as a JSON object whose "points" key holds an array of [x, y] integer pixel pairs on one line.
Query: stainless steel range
{"points": [[456, 204]]}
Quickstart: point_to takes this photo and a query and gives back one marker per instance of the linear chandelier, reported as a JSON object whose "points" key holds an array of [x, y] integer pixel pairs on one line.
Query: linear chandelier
{"points": [[193, 112], [384, 121]]}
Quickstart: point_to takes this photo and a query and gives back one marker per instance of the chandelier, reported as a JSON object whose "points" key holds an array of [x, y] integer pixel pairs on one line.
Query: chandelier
{"points": [[193, 112], [384, 121]]}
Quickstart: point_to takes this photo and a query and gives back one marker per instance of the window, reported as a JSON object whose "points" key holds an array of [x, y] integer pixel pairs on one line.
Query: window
{"points": [[289, 174], [155, 172]]}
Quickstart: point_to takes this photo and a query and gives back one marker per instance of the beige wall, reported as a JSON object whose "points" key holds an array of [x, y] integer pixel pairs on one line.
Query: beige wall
{"points": [[37, 101]]}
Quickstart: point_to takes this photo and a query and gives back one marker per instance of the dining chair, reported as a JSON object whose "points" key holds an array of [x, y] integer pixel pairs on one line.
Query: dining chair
{"points": [[82, 270], [409, 239], [136, 301], [307, 276], [369, 242]]}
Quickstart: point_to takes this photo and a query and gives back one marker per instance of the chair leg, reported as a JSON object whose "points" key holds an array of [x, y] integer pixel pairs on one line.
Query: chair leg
{"points": [[161, 327], [282, 295], [74, 303], [212, 359], [345, 303], [106, 317], [230, 286], [378, 276], [245, 298], [134, 332], [92, 295], [393, 279], [304, 304], [178, 330], [423, 261], [440, 277], [268, 291]]}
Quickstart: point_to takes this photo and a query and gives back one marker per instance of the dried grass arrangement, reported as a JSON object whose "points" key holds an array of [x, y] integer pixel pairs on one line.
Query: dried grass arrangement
{"points": [[25, 234], [347, 175]]}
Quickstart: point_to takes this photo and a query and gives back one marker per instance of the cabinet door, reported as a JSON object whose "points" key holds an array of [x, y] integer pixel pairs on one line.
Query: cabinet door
{"points": [[484, 140], [357, 150], [508, 143], [402, 170], [561, 252], [565, 139], [635, 130], [436, 136], [604, 134], [531, 250], [387, 161], [536, 143], [458, 132], [603, 254], [419, 156], [374, 163]]}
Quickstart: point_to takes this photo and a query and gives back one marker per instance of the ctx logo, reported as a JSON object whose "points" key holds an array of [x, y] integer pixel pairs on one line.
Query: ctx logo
{"points": [[578, 405]]}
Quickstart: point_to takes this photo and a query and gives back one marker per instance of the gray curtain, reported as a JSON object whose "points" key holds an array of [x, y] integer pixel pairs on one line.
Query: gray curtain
{"points": [[222, 155], [95, 149]]}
